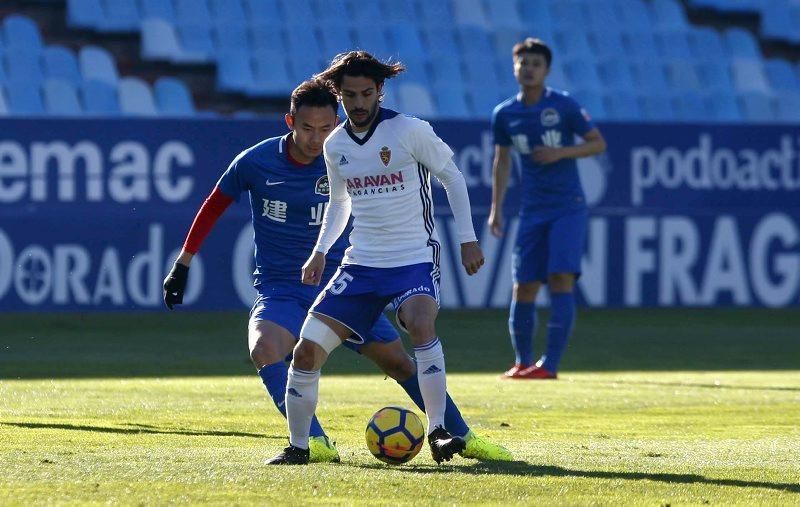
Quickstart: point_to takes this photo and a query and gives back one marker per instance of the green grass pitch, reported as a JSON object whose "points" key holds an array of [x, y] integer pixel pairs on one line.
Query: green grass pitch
{"points": [[653, 407]]}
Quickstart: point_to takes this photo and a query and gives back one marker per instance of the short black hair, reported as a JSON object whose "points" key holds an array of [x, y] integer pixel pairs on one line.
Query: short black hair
{"points": [[534, 46], [315, 93], [359, 63]]}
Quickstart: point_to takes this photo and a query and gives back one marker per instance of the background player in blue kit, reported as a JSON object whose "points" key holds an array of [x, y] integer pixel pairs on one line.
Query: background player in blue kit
{"points": [[288, 186], [541, 124]]}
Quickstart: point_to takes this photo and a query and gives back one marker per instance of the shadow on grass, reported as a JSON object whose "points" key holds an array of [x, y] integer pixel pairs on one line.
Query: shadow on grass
{"points": [[137, 429], [522, 468]]}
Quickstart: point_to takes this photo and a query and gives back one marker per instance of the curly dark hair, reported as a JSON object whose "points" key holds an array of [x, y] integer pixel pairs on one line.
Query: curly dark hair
{"points": [[359, 63]]}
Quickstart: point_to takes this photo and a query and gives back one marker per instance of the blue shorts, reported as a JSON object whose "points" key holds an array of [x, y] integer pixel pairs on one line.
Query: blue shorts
{"points": [[287, 305], [357, 295], [549, 245]]}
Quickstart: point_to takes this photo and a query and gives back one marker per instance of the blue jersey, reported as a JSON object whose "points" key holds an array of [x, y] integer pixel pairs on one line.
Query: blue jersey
{"points": [[553, 121], [288, 202]]}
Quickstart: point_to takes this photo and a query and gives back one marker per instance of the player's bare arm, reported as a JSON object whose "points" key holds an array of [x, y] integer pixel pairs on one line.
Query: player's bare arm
{"points": [[312, 271], [594, 144], [471, 257], [501, 166]]}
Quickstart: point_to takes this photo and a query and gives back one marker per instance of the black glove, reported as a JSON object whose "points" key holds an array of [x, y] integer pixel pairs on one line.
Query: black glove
{"points": [[175, 284]]}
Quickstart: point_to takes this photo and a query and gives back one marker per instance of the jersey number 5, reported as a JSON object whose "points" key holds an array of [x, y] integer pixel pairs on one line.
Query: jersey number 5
{"points": [[340, 284]]}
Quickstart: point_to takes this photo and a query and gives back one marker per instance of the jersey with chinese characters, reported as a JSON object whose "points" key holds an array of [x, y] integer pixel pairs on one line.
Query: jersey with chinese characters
{"points": [[287, 203], [386, 176], [553, 121]]}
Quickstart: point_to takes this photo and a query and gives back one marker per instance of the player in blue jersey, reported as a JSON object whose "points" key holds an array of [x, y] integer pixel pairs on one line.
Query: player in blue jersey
{"points": [[288, 189], [541, 124]]}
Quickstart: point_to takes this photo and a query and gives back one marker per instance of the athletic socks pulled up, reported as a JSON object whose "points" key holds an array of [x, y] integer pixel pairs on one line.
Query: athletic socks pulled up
{"points": [[274, 377]]}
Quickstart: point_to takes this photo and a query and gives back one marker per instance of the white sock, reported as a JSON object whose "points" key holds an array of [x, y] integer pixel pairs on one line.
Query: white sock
{"points": [[302, 390], [432, 381]]}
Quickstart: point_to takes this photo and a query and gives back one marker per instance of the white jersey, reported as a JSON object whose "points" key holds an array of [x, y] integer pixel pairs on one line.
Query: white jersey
{"points": [[386, 177]]}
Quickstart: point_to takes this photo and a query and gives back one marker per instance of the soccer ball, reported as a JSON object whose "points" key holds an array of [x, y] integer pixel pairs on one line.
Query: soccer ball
{"points": [[395, 435]]}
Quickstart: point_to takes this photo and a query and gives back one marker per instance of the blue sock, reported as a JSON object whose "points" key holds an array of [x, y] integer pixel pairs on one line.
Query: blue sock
{"points": [[521, 323], [562, 318], [453, 422], [274, 377]]}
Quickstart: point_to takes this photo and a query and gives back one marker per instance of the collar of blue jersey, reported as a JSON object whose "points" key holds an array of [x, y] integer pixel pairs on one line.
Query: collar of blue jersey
{"points": [[547, 92], [382, 115]]}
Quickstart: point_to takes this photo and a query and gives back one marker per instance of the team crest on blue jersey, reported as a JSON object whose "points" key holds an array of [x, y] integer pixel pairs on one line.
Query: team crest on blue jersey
{"points": [[550, 117], [386, 155], [322, 187]]}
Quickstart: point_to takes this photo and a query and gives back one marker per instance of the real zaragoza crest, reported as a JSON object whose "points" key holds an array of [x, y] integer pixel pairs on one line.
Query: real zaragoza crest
{"points": [[386, 155]]}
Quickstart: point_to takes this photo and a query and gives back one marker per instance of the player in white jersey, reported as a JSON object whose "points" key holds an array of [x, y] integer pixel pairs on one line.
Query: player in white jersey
{"points": [[379, 164]]}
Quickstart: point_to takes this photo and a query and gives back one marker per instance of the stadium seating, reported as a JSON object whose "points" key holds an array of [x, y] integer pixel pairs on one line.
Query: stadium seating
{"points": [[631, 59]]}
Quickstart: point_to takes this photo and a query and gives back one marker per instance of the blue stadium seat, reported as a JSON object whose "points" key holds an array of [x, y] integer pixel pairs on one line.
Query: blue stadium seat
{"points": [[504, 15], [777, 22], [451, 103], [690, 106], [756, 107], [405, 39], [448, 72], [674, 45], [23, 99], [192, 12], [297, 12], [373, 40], [583, 72], [682, 75], [715, 75], [668, 15], [263, 36], [749, 76], [504, 40], [635, 16], [302, 44], [366, 14], [557, 78], [235, 72], [196, 43], [441, 41], [96, 63], [606, 44], [573, 44], [787, 107], [536, 14], [650, 77], [173, 97], [99, 98], [479, 70], [416, 100], [303, 68], [61, 98], [474, 40], [230, 35], [603, 17], [227, 11], [470, 13], [723, 106], [3, 75], [416, 71], [84, 14], [157, 9], [120, 16], [59, 62], [740, 43], [434, 14], [483, 101], [271, 76], [567, 14], [3, 105], [707, 44], [136, 98], [334, 39], [398, 11], [591, 101], [20, 32], [331, 11], [263, 11], [159, 40], [656, 108], [781, 75], [24, 66], [641, 45], [616, 75], [622, 106]]}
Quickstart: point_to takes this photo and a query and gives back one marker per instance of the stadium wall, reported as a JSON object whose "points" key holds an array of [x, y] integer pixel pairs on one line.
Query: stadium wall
{"points": [[93, 212]]}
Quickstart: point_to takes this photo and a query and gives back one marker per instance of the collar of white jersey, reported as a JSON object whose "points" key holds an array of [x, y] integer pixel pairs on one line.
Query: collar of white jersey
{"points": [[383, 114]]}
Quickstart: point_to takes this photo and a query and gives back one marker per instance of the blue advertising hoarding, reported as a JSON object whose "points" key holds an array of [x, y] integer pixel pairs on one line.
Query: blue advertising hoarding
{"points": [[93, 212]]}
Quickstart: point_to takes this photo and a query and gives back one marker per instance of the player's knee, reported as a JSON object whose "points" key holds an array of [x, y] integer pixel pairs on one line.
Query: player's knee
{"points": [[526, 292], [420, 326], [266, 351], [561, 282], [305, 355]]}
